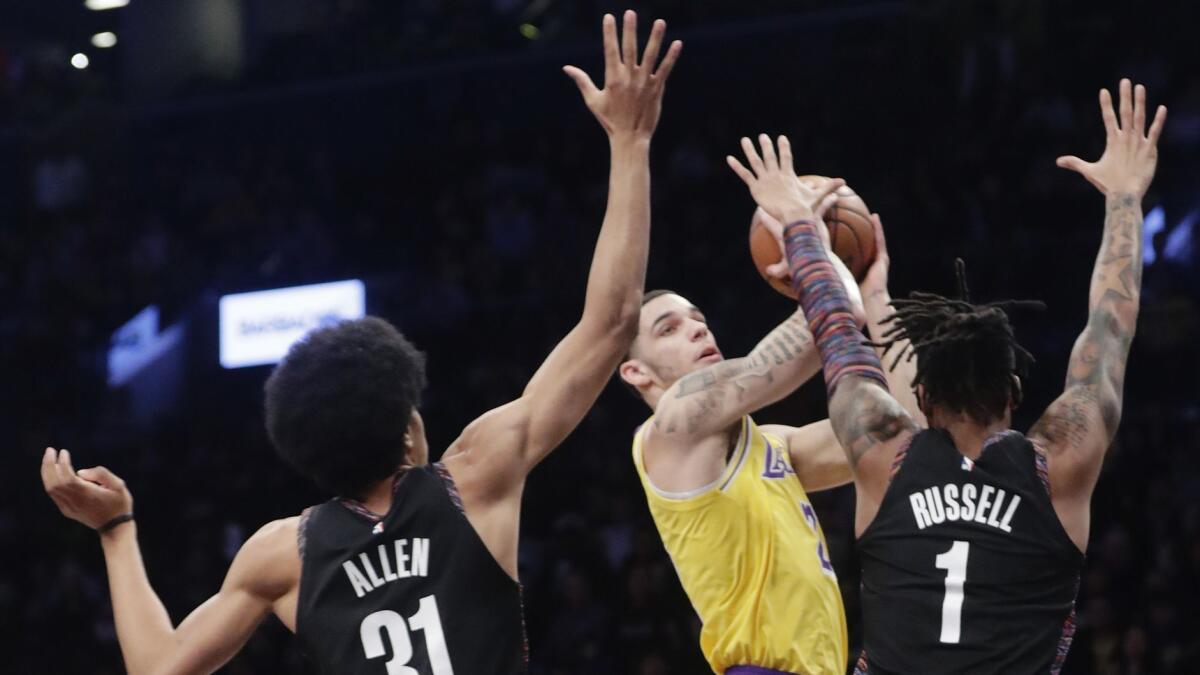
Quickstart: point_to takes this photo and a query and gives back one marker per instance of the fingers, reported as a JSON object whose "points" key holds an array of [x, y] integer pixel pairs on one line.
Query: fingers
{"points": [[612, 59], [49, 458], [880, 240], [581, 79], [779, 270], [829, 187], [629, 39], [1139, 109], [103, 477], [826, 202], [752, 156], [1106, 112], [770, 161], [741, 171], [650, 56], [1072, 163], [668, 62], [1126, 105], [785, 153], [1160, 118]]}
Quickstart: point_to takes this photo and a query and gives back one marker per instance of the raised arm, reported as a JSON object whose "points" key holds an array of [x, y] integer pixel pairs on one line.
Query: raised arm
{"points": [[877, 301], [264, 576], [505, 443], [1077, 429], [868, 422]]}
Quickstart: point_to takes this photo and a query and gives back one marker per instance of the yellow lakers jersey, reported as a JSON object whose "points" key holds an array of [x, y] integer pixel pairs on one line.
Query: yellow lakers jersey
{"points": [[753, 561]]}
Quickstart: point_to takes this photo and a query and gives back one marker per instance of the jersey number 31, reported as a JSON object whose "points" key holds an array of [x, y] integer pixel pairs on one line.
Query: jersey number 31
{"points": [[426, 619]]}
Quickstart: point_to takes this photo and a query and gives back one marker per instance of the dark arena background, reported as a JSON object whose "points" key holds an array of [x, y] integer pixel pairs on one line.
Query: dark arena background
{"points": [[434, 150]]}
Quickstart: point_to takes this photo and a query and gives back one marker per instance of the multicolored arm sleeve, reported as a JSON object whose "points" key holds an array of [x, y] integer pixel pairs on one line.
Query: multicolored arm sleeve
{"points": [[841, 344]]}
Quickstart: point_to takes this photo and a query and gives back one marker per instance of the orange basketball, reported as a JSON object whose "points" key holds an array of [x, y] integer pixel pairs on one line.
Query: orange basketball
{"points": [[850, 234]]}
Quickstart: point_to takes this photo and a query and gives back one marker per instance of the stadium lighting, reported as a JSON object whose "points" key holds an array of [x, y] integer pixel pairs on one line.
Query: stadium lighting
{"points": [[80, 61], [99, 5], [104, 40]]}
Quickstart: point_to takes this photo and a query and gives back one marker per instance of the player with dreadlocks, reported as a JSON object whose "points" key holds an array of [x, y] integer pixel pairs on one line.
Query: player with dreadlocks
{"points": [[972, 534]]}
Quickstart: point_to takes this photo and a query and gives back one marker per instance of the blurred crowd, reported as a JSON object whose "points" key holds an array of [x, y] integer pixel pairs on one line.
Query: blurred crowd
{"points": [[468, 197]]}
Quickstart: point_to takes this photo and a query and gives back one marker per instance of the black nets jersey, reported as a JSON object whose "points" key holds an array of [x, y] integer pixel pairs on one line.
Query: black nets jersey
{"points": [[416, 593], [966, 568]]}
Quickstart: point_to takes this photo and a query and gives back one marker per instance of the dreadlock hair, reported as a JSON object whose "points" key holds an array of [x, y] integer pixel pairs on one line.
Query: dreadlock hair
{"points": [[966, 354]]}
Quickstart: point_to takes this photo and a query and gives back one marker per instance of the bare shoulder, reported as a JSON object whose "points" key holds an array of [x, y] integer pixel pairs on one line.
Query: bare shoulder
{"points": [[268, 564]]}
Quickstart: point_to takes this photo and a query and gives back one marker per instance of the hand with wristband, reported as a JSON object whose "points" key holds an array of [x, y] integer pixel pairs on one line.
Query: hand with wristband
{"points": [[95, 497]]}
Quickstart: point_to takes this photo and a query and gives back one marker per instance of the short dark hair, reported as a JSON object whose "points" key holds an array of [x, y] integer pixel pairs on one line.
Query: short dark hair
{"points": [[966, 354], [338, 406], [646, 297]]}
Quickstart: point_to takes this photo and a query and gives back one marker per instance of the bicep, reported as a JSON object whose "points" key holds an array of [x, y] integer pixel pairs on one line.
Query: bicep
{"points": [[568, 382], [1078, 427], [1075, 433], [214, 632], [816, 455], [264, 570], [498, 449]]}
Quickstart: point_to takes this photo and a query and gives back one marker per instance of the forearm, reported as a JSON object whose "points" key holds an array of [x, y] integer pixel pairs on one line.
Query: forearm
{"points": [[144, 628], [1117, 275], [618, 272], [711, 399], [824, 300], [900, 374]]}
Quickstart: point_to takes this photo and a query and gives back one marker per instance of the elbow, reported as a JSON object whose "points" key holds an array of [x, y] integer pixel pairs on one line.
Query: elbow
{"points": [[620, 324]]}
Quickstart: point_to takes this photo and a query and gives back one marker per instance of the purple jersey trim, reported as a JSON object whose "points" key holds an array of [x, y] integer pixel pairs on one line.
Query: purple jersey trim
{"points": [[452, 490], [900, 456], [860, 667], [1042, 464], [1064, 643], [448, 482], [361, 509], [754, 670]]}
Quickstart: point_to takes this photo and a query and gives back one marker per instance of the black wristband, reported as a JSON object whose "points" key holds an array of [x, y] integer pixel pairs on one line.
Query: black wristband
{"points": [[123, 518]]}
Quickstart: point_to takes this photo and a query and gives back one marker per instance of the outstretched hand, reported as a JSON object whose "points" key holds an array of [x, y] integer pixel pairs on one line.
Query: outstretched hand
{"points": [[774, 185], [630, 103], [91, 496], [1131, 153]]}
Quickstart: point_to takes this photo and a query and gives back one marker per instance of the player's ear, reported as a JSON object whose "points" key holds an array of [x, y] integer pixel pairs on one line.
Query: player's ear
{"points": [[922, 401], [635, 373], [1016, 394], [416, 450]]}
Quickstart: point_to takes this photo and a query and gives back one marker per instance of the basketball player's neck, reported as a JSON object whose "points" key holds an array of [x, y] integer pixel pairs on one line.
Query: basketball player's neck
{"points": [[378, 497], [968, 435]]}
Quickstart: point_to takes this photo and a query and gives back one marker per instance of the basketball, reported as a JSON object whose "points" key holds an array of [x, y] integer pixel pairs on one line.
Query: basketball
{"points": [[851, 236]]}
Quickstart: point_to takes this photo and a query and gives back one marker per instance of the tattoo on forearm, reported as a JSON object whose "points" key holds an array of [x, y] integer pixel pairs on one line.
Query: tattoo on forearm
{"points": [[709, 391], [1096, 375]]}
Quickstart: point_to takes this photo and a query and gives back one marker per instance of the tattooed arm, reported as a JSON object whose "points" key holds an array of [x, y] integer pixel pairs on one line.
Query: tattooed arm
{"points": [[711, 400], [1077, 429], [870, 425]]}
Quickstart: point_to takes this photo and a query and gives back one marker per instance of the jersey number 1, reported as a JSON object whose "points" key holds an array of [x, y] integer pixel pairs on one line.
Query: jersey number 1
{"points": [[954, 562], [426, 619]]}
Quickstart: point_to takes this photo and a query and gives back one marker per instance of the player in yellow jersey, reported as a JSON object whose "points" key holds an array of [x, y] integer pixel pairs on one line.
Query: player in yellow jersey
{"points": [[729, 496]]}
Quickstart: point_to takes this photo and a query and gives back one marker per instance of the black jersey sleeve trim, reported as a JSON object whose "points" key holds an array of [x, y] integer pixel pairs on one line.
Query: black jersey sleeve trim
{"points": [[451, 488], [302, 532]]}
